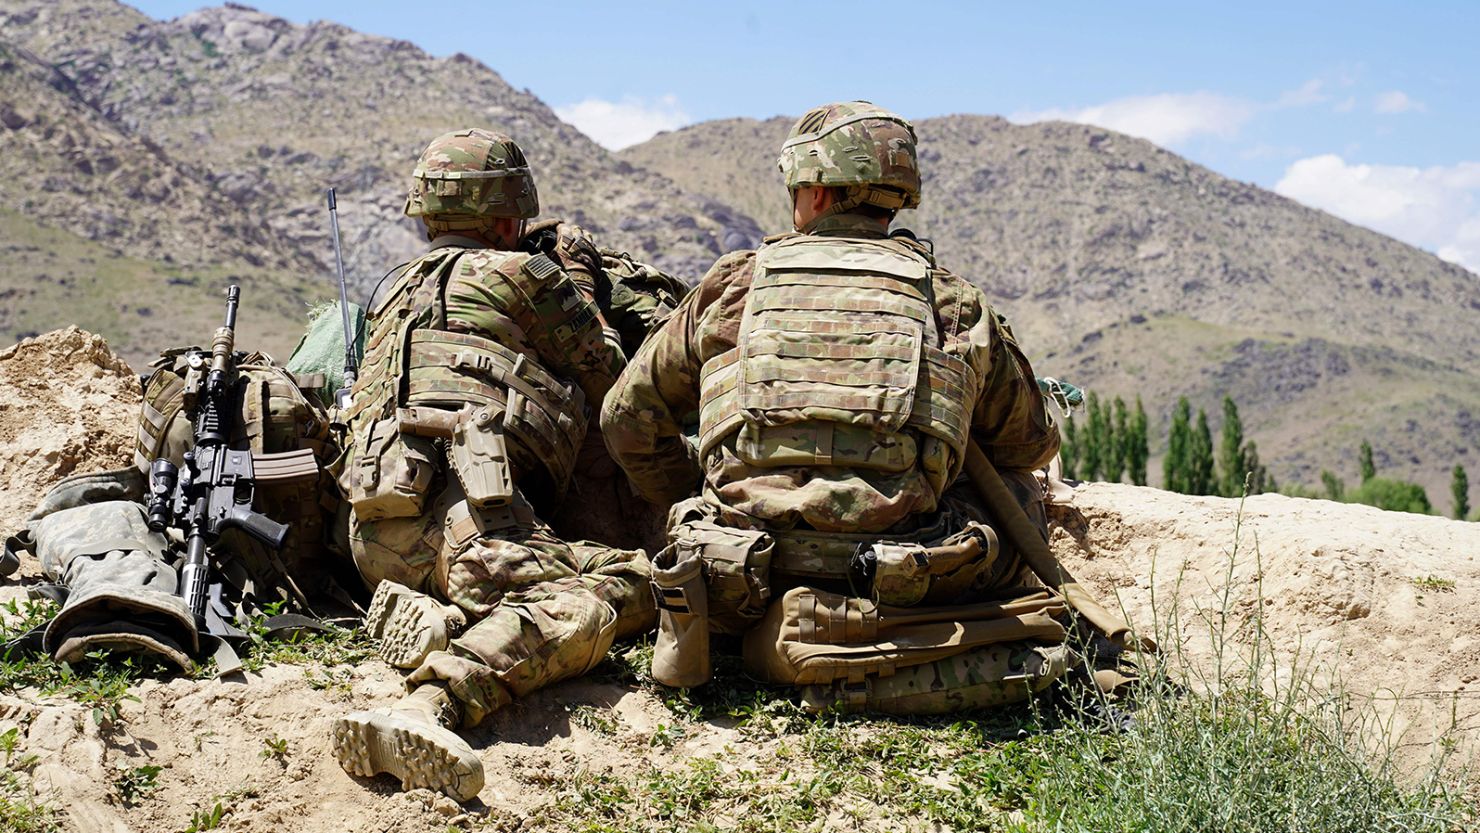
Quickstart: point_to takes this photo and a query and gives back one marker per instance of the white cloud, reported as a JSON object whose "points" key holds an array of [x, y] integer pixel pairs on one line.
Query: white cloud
{"points": [[1394, 102], [1311, 92], [1437, 208], [1346, 105], [1166, 119], [618, 124]]}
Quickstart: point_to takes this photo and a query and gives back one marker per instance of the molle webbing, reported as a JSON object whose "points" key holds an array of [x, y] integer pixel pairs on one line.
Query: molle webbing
{"points": [[837, 334], [808, 554], [547, 416]]}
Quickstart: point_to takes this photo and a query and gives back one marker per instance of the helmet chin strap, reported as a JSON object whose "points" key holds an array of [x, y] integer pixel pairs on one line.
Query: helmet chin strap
{"points": [[855, 196], [483, 227]]}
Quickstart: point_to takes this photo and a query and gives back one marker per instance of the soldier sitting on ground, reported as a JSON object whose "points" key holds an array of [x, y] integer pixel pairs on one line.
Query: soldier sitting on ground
{"points": [[467, 422], [842, 378]]}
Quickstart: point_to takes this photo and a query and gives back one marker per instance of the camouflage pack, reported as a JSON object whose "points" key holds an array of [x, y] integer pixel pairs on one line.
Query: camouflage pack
{"points": [[810, 637], [635, 297]]}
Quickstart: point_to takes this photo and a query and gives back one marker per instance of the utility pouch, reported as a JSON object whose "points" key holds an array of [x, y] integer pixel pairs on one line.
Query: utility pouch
{"points": [[737, 571], [393, 474], [479, 455], [681, 653], [908, 574], [901, 573]]}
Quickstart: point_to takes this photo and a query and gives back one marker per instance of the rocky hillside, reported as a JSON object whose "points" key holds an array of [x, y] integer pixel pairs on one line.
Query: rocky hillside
{"points": [[1129, 269], [261, 115]]}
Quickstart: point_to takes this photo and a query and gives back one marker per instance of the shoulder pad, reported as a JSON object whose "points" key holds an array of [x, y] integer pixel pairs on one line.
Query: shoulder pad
{"points": [[776, 238], [541, 268]]}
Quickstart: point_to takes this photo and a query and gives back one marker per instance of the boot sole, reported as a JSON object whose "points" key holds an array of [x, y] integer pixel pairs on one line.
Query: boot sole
{"points": [[370, 743], [407, 625]]}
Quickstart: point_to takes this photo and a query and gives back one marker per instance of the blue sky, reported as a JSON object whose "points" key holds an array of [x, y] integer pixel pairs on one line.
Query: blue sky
{"points": [[1368, 110]]}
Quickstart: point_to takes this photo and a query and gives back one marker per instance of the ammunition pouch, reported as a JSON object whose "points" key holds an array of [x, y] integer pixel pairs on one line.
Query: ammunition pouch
{"points": [[392, 473], [516, 398]]}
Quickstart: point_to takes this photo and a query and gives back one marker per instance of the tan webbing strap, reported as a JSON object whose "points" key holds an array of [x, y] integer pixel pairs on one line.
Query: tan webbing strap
{"points": [[1035, 553]]}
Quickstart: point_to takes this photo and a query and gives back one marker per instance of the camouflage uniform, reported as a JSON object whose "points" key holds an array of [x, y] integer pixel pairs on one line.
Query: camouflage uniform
{"points": [[469, 415], [836, 377]]}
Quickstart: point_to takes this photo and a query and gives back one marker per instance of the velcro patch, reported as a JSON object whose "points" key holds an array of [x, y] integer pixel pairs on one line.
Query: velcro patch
{"points": [[541, 268]]}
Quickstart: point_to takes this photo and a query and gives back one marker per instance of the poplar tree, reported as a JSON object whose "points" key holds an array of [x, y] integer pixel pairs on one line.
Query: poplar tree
{"points": [[1093, 459], [1069, 451], [1233, 464], [1200, 477], [1459, 486], [1120, 442], [1365, 465], [1138, 447], [1174, 467], [1335, 489]]}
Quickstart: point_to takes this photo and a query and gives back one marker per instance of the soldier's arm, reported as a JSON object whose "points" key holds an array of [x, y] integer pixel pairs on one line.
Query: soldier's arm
{"points": [[645, 412], [1011, 421]]}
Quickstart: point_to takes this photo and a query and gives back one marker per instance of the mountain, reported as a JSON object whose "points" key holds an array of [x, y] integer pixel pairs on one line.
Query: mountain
{"points": [[260, 115], [1131, 270], [148, 163]]}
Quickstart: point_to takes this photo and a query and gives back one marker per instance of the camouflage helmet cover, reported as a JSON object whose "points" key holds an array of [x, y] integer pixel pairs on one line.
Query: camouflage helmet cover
{"points": [[472, 173], [854, 144]]}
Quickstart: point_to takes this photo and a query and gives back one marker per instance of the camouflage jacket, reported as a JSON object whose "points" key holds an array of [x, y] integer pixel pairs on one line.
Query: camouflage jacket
{"points": [[645, 415], [547, 330]]}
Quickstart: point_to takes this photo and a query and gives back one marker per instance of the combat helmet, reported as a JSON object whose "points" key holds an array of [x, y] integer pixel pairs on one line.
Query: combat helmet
{"points": [[855, 145], [466, 178]]}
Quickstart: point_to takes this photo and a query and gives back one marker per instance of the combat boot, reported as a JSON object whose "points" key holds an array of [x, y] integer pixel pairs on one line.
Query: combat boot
{"points": [[410, 625], [413, 740]]}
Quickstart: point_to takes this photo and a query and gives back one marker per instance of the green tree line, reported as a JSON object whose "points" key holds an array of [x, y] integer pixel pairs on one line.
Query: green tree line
{"points": [[1111, 441], [1108, 441]]}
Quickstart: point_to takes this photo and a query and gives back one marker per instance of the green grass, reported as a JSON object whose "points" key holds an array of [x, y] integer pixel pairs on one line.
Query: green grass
{"points": [[20, 812], [53, 278], [1434, 584]]}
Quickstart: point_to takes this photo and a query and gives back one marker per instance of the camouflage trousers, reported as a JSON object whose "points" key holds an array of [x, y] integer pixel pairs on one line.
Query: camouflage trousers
{"points": [[983, 637], [540, 610]]}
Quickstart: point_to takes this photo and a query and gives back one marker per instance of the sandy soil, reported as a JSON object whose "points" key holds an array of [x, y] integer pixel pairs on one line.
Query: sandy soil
{"points": [[1343, 586]]}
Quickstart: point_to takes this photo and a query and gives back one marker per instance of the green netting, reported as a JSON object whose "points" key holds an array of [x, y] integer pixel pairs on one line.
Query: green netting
{"points": [[321, 350]]}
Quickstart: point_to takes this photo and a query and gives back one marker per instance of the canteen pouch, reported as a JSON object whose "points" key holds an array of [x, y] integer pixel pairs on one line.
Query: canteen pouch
{"points": [[737, 571]]}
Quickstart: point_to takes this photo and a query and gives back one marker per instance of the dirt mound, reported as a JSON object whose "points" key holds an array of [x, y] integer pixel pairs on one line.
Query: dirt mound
{"points": [[68, 405], [1384, 602]]}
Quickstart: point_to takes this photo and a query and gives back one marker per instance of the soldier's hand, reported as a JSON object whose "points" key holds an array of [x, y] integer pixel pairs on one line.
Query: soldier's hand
{"points": [[567, 243]]}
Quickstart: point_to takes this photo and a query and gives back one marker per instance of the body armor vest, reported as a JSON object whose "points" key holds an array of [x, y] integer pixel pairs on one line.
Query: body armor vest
{"points": [[499, 413], [838, 364]]}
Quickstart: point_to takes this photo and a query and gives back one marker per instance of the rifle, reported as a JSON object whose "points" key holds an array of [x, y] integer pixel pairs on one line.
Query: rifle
{"points": [[212, 491]]}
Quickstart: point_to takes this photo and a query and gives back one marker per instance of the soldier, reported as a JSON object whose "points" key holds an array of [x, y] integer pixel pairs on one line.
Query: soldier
{"points": [[470, 415], [839, 375]]}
